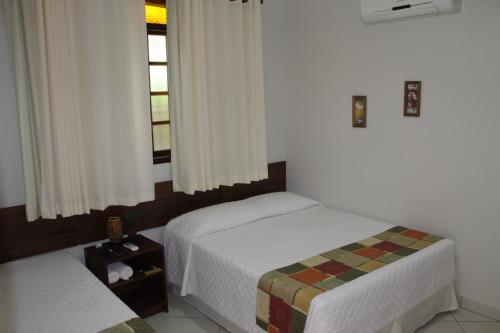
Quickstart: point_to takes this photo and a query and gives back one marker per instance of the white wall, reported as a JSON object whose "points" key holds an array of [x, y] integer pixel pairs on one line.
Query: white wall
{"points": [[438, 173], [273, 30], [11, 174]]}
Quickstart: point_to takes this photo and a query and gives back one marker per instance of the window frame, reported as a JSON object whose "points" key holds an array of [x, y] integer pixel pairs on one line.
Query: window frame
{"points": [[160, 156]]}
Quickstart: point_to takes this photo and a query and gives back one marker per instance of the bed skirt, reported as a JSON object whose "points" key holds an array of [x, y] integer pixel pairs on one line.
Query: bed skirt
{"points": [[442, 301]]}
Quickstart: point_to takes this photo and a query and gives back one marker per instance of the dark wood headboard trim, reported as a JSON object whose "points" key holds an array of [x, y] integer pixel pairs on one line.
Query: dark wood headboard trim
{"points": [[19, 238]]}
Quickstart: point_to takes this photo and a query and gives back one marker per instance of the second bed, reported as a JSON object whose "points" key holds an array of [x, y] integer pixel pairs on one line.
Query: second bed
{"points": [[217, 255]]}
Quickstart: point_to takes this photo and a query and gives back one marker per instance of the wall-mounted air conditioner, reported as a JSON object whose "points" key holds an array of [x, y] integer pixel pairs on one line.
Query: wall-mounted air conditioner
{"points": [[385, 10]]}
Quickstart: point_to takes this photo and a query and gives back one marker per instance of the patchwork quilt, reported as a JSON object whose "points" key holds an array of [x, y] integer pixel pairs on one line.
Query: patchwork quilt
{"points": [[136, 325], [284, 295]]}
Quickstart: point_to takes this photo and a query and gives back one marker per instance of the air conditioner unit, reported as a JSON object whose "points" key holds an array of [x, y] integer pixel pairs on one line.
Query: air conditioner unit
{"points": [[386, 10]]}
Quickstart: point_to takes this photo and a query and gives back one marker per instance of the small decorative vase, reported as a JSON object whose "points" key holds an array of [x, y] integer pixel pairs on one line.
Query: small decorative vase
{"points": [[114, 228]]}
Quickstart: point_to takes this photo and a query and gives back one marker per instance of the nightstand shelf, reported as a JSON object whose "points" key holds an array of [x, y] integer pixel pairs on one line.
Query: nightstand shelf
{"points": [[144, 294], [136, 278]]}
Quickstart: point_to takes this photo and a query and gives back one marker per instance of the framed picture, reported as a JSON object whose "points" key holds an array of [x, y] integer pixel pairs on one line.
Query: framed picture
{"points": [[359, 111], [413, 95]]}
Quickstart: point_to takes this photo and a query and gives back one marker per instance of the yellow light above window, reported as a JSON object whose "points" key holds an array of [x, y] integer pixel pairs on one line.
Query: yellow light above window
{"points": [[156, 14]]}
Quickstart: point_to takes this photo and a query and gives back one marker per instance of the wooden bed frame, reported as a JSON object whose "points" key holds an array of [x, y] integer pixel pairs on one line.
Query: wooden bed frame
{"points": [[19, 239]]}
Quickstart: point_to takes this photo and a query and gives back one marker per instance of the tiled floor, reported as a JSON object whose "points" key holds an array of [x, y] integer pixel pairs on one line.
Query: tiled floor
{"points": [[186, 319]]}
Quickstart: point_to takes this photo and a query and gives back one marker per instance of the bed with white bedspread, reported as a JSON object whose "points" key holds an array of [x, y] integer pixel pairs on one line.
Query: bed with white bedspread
{"points": [[55, 293], [216, 256]]}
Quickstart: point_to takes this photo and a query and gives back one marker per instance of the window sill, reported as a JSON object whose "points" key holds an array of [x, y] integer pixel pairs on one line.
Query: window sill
{"points": [[161, 160], [160, 157]]}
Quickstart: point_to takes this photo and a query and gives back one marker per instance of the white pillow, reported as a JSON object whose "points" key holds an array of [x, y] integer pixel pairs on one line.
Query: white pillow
{"points": [[219, 217]]}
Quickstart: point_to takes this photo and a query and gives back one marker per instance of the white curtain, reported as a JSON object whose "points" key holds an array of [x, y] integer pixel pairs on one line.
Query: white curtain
{"points": [[83, 98], [216, 93]]}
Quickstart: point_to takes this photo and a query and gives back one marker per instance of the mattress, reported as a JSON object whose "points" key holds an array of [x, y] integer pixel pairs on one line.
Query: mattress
{"points": [[55, 293], [225, 265]]}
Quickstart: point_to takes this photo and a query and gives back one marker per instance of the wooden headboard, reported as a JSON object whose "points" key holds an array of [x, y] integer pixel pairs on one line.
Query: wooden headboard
{"points": [[19, 239]]}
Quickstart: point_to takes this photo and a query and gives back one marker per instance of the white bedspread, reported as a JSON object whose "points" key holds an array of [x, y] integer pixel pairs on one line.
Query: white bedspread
{"points": [[55, 293], [225, 267], [183, 230]]}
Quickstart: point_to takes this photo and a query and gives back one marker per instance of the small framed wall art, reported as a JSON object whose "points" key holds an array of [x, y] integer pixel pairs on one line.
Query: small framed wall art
{"points": [[413, 96], [359, 111]]}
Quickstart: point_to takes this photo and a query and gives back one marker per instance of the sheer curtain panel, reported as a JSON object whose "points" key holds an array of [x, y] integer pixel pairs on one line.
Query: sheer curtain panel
{"points": [[216, 93], [83, 98]]}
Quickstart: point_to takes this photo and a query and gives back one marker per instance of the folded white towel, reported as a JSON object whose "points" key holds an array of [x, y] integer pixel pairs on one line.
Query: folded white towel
{"points": [[125, 271], [113, 276]]}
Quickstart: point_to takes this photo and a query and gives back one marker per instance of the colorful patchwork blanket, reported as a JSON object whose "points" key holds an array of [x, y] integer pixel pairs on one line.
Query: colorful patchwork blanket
{"points": [[136, 325], [284, 295]]}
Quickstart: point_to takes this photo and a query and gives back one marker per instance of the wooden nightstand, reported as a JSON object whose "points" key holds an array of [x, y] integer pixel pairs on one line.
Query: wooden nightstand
{"points": [[146, 294]]}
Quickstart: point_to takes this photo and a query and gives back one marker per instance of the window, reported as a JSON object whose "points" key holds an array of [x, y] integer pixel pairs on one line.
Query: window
{"points": [[156, 18]]}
